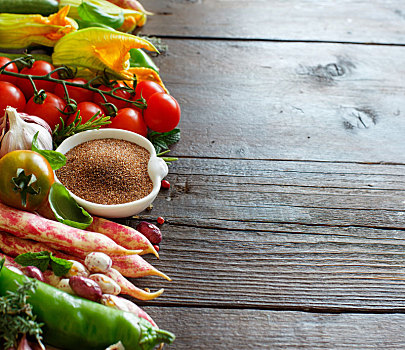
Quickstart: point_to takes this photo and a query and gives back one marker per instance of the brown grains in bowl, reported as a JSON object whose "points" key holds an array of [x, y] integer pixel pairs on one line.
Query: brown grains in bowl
{"points": [[107, 171]]}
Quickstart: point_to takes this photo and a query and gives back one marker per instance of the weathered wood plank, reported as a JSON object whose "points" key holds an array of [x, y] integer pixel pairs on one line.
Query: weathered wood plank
{"points": [[326, 20], [254, 329], [255, 100], [287, 235]]}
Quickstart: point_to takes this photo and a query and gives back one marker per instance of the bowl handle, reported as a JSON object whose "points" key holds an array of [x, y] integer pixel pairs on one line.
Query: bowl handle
{"points": [[158, 167]]}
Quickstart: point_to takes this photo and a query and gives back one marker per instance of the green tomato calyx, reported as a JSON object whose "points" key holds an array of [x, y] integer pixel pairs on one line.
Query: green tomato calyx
{"points": [[23, 184]]}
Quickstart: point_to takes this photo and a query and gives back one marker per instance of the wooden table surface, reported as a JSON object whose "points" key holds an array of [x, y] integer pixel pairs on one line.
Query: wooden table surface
{"points": [[285, 221]]}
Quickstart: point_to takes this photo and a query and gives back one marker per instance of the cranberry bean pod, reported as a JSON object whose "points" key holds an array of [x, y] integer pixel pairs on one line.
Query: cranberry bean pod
{"points": [[31, 226], [130, 289], [135, 266], [126, 236], [125, 305], [14, 246]]}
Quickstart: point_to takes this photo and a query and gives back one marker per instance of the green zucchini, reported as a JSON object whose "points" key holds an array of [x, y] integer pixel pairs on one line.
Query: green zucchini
{"points": [[41, 7]]}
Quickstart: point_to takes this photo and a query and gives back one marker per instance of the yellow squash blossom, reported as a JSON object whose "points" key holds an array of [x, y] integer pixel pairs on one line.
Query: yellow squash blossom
{"points": [[132, 18], [18, 31], [99, 50], [143, 73]]}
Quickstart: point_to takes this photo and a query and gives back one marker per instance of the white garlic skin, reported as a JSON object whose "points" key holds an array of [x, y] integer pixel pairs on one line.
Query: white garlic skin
{"points": [[19, 133]]}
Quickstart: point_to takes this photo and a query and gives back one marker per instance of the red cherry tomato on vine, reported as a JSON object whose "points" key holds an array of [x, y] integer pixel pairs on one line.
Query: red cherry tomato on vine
{"points": [[35, 192], [49, 110], [147, 88], [129, 119], [163, 112], [38, 68], [76, 93], [120, 93], [10, 95], [11, 68], [87, 110]]}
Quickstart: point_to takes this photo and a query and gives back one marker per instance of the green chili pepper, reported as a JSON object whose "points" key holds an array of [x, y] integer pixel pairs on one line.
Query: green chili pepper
{"points": [[140, 58], [73, 323]]}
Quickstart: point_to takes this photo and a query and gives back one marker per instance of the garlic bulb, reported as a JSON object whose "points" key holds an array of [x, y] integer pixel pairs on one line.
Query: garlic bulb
{"points": [[18, 129]]}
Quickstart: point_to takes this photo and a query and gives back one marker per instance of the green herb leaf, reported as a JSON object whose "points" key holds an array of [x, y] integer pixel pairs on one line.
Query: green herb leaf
{"points": [[92, 13], [56, 160], [162, 141], [40, 260], [60, 267], [65, 208]]}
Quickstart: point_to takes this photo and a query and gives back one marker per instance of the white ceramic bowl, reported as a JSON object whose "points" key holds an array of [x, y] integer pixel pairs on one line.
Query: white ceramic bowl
{"points": [[157, 169]]}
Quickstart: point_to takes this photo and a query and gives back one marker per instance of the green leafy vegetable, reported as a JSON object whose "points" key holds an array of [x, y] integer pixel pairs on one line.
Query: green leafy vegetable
{"points": [[42, 260], [16, 317], [162, 141], [65, 208], [56, 160], [89, 12]]}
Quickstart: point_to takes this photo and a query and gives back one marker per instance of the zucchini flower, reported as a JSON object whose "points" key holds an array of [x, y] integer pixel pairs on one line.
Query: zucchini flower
{"points": [[18, 31], [100, 50], [132, 18]]}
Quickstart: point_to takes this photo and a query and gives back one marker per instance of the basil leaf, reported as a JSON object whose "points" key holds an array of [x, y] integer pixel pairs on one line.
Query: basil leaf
{"points": [[85, 24], [60, 267], [39, 260], [92, 13], [65, 208], [55, 159]]}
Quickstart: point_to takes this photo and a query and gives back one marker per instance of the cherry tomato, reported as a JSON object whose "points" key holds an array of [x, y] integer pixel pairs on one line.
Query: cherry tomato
{"points": [[147, 88], [49, 110], [76, 93], [163, 112], [11, 68], [34, 192], [87, 110], [38, 68], [129, 119], [120, 93], [10, 95]]}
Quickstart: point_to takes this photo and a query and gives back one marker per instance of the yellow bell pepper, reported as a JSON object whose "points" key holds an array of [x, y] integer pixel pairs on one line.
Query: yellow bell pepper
{"points": [[132, 18], [18, 31], [99, 50]]}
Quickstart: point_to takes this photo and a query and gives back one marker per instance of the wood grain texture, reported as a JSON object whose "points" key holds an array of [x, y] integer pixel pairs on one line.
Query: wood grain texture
{"points": [[296, 101], [339, 21], [281, 235], [202, 329]]}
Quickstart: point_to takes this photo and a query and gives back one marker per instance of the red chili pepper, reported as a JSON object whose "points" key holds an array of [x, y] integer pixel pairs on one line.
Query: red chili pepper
{"points": [[160, 220]]}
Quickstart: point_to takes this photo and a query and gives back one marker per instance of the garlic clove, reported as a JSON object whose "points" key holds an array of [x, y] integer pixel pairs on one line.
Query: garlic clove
{"points": [[18, 129]]}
